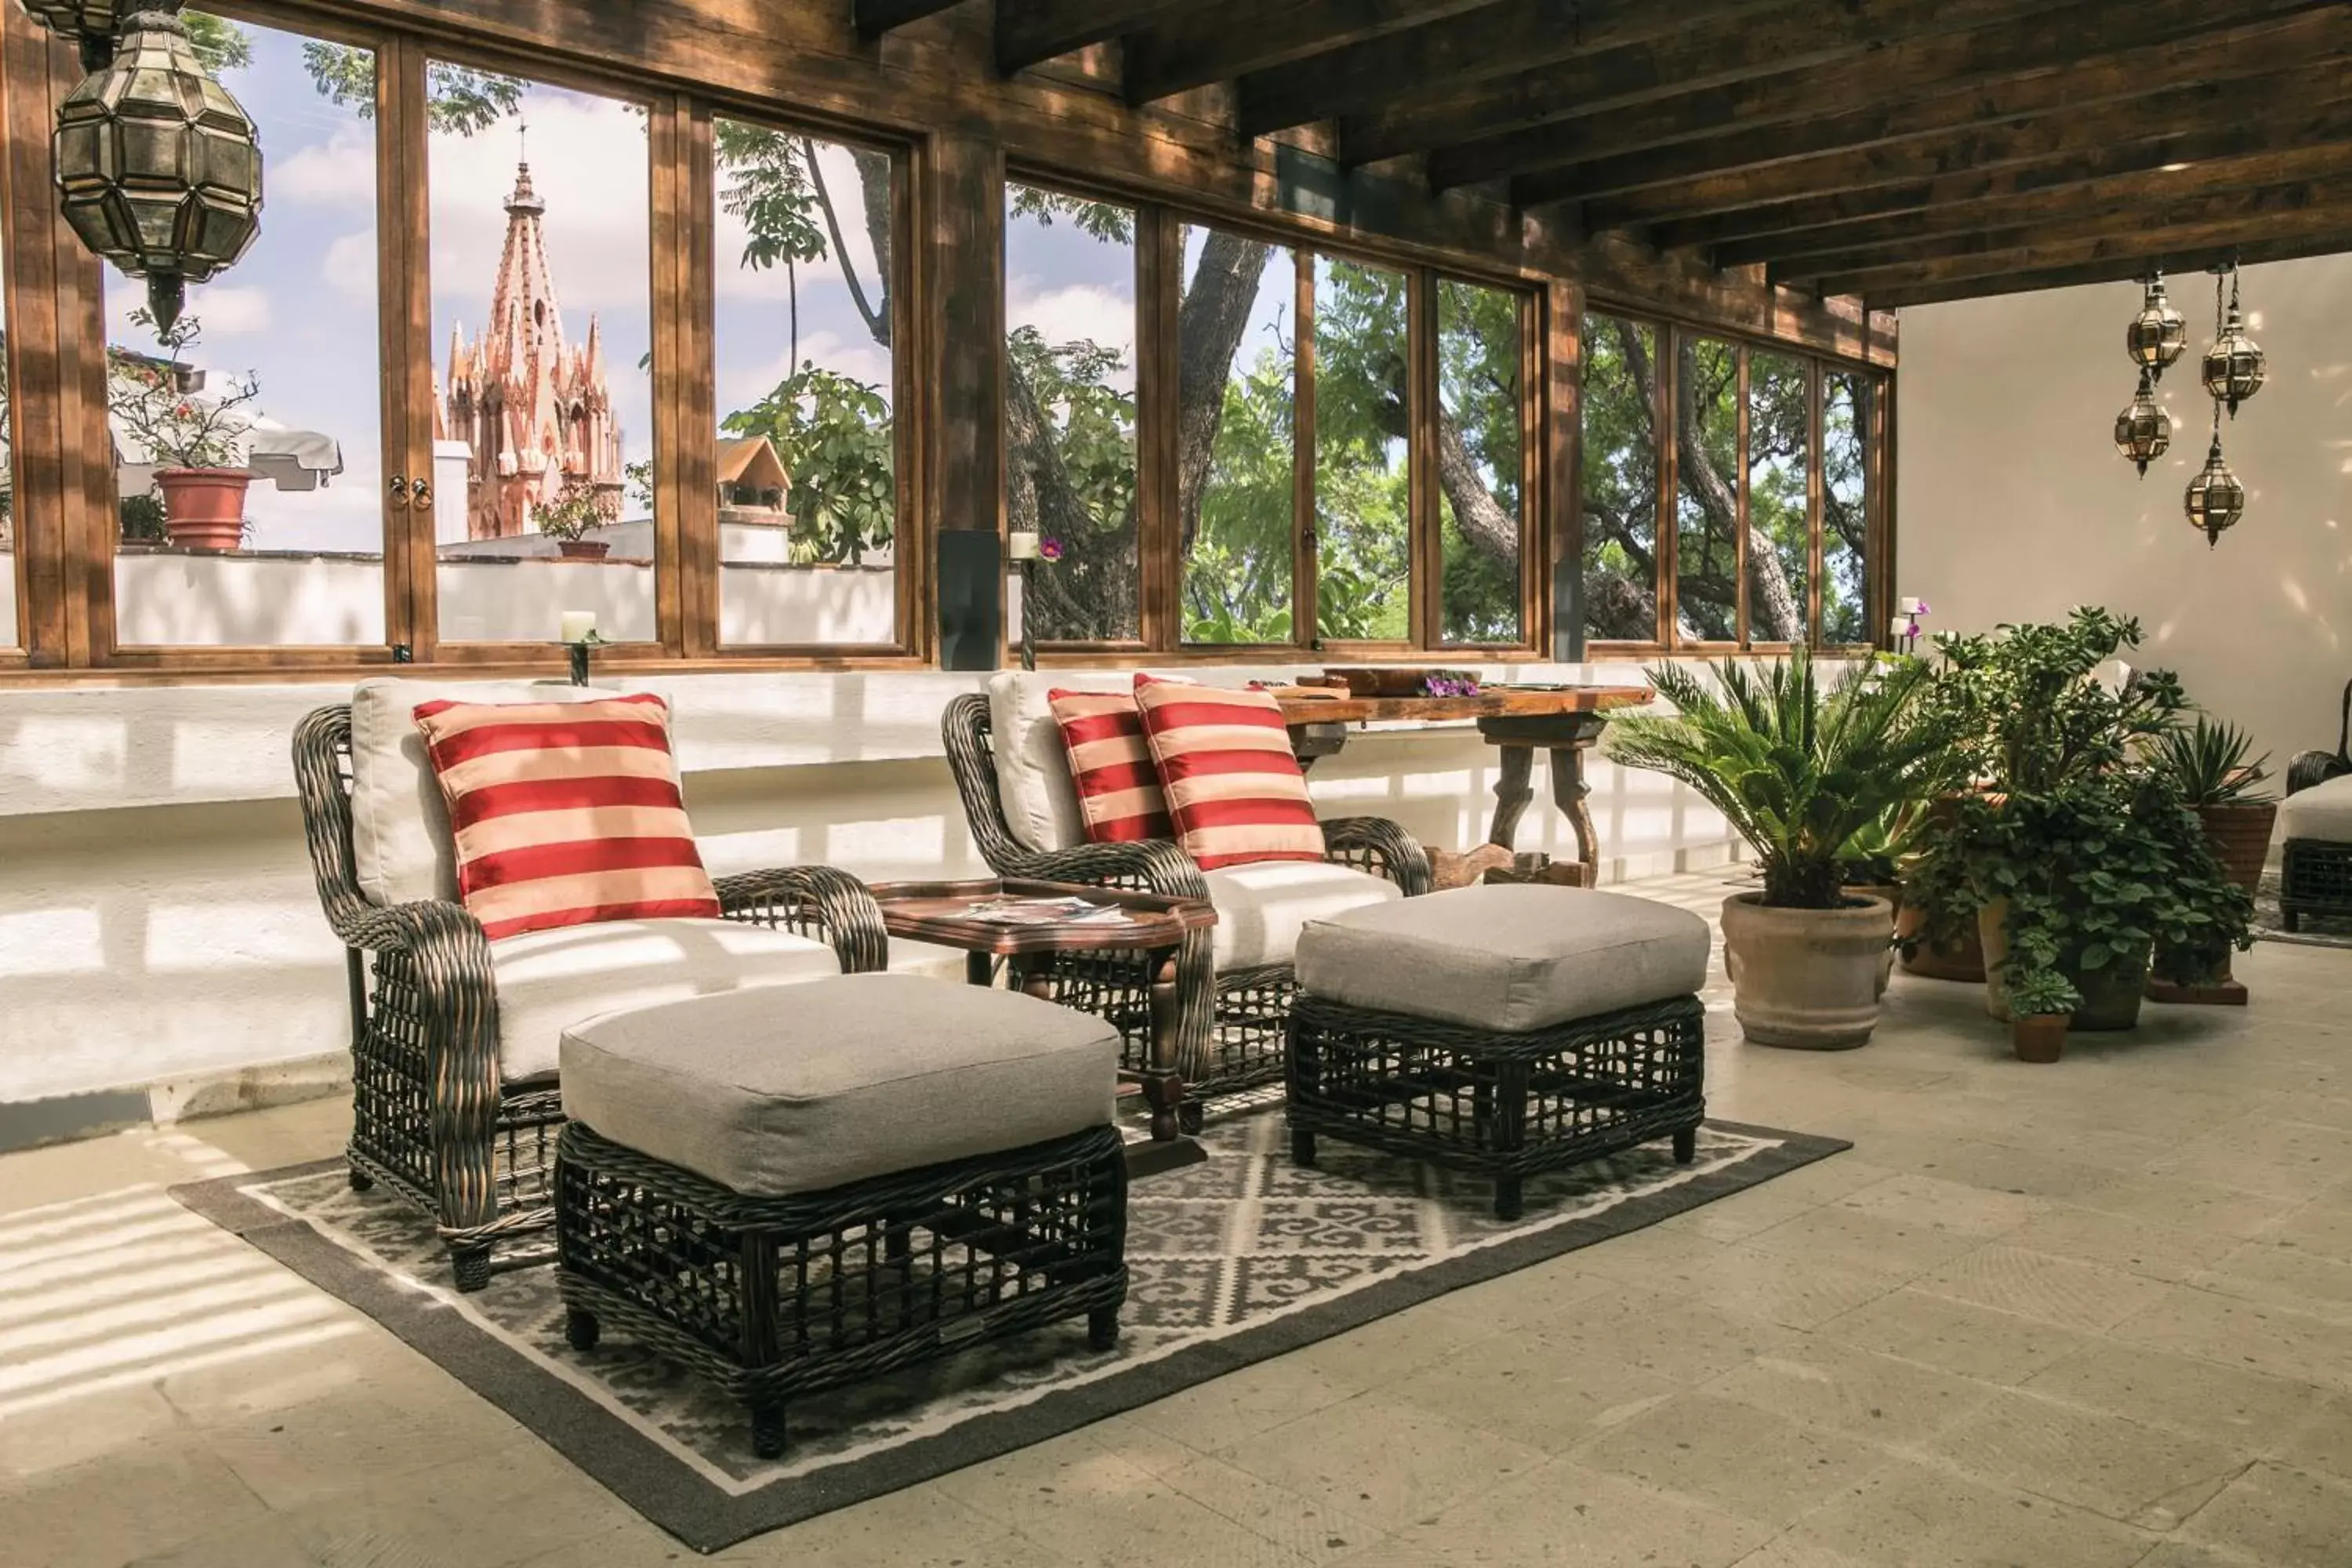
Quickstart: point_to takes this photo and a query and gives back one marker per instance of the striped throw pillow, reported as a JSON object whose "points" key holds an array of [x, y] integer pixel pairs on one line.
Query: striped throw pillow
{"points": [[1118, 784], [1235, 787], [565, 812]]}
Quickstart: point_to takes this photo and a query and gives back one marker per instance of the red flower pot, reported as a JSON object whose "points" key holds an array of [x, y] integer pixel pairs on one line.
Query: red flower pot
{"points": [[203, 509], [582, 549]]}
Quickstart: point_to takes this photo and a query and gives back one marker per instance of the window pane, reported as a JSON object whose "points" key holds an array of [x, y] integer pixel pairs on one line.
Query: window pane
{"points": [[1779, 444], [1236, 476], [270, 376], [1849, 415], [543, 450], [1480, 466], [808, 485], [1363, 524], [1706, 507], [1069, 408], [1619, 480]]}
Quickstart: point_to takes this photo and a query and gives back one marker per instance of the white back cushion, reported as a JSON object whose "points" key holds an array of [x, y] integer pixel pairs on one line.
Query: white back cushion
{"points": [[1032, 767], [400, 824]]}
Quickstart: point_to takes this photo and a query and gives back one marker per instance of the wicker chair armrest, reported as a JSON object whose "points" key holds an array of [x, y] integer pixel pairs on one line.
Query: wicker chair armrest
{"points": [[822, 901], [1391, 851], [2309, 768], [1149, 866], [426, 929]]}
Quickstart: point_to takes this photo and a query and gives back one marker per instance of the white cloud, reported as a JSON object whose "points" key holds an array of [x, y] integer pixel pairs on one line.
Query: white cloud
{"points": [[338, 172], [860, 359], [229, 311], [1104, 316], [348, 266]]}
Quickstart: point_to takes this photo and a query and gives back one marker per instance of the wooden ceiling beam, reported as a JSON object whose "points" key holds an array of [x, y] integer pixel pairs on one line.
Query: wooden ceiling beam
{"points": [[1915, 86], [1213, 43], [1494, 40], [2255, 210], [2292, 247], [2143, 190], [2213, 120], [872, 19], [2163, 244], [1031, 32]]}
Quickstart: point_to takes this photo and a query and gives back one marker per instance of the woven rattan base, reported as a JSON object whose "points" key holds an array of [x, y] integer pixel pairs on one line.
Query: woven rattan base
{"points": [[770, 1298], [2314, 879], [1505, 1106]]}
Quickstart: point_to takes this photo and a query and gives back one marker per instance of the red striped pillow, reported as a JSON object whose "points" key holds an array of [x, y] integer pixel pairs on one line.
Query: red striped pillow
{"points": [[1235, 787], [565, 812], [1118, 785]]}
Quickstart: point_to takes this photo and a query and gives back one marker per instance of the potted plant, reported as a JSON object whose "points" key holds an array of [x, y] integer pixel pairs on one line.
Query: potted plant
{"points": [[1798, 770], [2041, 1008], [195, 442], [2206, 762], [568, 518]]}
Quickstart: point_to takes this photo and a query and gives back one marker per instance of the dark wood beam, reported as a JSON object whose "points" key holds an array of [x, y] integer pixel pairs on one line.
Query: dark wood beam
{"points": [[2146, 191], [2256, 210], [1212, 43], [2213, 120], [1494, 40], [2076, 274], [875, 17], [1921, 85], [1031, 32], [2162, 244]]}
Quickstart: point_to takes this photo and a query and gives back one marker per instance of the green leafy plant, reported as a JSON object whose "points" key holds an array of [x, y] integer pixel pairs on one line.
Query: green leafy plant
{"points": [[1874, 857], [573, 512], [2043, 994], [152, 397], [1798, 768], [2206, 762], [833, 435]]}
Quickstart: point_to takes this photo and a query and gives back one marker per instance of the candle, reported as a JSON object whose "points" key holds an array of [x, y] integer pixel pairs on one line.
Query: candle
{"points": [[578, 626], [1023, 545], [1901, 627], [1909, 607]]}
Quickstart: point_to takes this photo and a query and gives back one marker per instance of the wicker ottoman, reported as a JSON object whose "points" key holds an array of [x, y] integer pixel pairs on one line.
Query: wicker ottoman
{"points": [[788, 1193], [1506, 1029]]}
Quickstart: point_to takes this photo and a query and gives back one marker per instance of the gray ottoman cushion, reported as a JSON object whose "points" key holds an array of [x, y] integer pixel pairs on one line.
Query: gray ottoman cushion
{"points": [[801, 1088], [1509, 958]]}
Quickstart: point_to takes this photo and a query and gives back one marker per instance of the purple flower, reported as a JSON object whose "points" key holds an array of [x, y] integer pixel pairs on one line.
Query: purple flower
{"points": [[1049, 550]]}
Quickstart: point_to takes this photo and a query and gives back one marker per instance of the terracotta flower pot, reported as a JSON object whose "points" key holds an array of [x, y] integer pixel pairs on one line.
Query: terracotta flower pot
{"points": [[2038, 1036], [1807, 979], [2111, 993], [1961, 958], [2240, 837], [582, 549], [203, 509]]}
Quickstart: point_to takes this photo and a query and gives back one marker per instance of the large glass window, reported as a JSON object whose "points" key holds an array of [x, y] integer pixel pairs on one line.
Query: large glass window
{"points": [[1236, 464], [1364, 493], [543, 327], [1849, 446], [1706, 497], [802, 366], [1780, 538], [1070, 464], [1619, 486], [248, 435], [1480, 460]]}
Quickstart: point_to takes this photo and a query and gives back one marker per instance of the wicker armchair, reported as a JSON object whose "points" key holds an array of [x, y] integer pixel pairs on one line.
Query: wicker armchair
{"points": [[2315, 873], [1251, 1004], [2308, 768], [432, 1118]]}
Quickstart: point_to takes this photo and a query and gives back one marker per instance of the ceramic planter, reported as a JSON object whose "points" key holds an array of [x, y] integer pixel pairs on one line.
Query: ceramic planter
{"points": [[1962, 958], [1807, 979], [203, 509], [2111, 994], [2240, 837], [2038, 1037], [582, 549], [1893, 893]]}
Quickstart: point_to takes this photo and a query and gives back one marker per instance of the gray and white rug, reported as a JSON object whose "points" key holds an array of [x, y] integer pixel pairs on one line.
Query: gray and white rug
{"points": [[1233, 1260], [2318, 930]]}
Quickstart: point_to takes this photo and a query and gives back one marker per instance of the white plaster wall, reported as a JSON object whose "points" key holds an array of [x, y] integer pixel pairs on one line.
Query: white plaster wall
{"points": [[2014, 505], [158, 925]]}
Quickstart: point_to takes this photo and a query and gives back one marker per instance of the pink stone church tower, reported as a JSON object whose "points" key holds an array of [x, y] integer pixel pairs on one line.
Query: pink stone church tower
{"points": [[534, 411]]}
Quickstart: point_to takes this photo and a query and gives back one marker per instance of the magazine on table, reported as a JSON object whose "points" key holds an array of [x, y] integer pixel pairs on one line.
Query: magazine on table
{"points": [[1045, 911]]}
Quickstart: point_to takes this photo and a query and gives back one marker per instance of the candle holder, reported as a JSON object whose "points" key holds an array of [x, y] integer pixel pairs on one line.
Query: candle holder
{"points": [[579, 652], [1028, 612]]}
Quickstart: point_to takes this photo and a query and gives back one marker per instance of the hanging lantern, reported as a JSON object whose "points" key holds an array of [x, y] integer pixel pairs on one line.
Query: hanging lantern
{"points": [[2235, 365], [160, 168], [2143, 429], [89, 23], [2158, 334], [2216, 500]]}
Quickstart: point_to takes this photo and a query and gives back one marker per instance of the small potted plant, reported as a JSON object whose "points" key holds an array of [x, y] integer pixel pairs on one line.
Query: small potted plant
{"points": [[2206, 762], [197, 443], [2041, 1008], [568, 518]]}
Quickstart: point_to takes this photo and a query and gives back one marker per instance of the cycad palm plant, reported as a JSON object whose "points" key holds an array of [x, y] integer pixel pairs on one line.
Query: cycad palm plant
{"points": [[1797, 767]]}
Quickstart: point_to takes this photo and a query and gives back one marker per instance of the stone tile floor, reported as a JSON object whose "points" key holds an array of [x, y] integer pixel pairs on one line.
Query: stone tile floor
{"points": [[2092, 1314]]}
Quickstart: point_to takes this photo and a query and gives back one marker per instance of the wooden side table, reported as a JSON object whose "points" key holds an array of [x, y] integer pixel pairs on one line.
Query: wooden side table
{"points": [[1164, 942]]}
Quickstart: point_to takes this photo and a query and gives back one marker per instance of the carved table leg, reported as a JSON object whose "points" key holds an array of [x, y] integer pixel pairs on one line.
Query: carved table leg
{"points": [[1163, 1085], [1512, 793], [1567, 792]]}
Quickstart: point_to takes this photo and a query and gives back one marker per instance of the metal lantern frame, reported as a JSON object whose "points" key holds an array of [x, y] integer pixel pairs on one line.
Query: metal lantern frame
{"points": [[158, 166], [91, 24], [2144, 430], [2215, 500], [2235, 366], [2158, 335]]}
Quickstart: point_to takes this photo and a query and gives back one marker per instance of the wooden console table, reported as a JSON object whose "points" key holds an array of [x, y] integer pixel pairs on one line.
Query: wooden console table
{"points": [[1563, 722]]}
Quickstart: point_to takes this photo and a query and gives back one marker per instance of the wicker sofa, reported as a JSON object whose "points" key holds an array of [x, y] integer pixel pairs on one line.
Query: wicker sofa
{"points": [[1007, 767], [454, 1099]]}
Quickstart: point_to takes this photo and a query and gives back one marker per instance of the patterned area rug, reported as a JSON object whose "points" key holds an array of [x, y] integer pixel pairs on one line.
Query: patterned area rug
{"points": [[2318, 930], [1233, 1260]]}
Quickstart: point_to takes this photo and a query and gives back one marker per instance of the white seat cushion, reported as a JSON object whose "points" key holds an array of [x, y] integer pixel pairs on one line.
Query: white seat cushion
{"points": [[862, 1076], [549, 980], [1262, 905], [2322, 812], [1509, 958], [400, 824]]}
